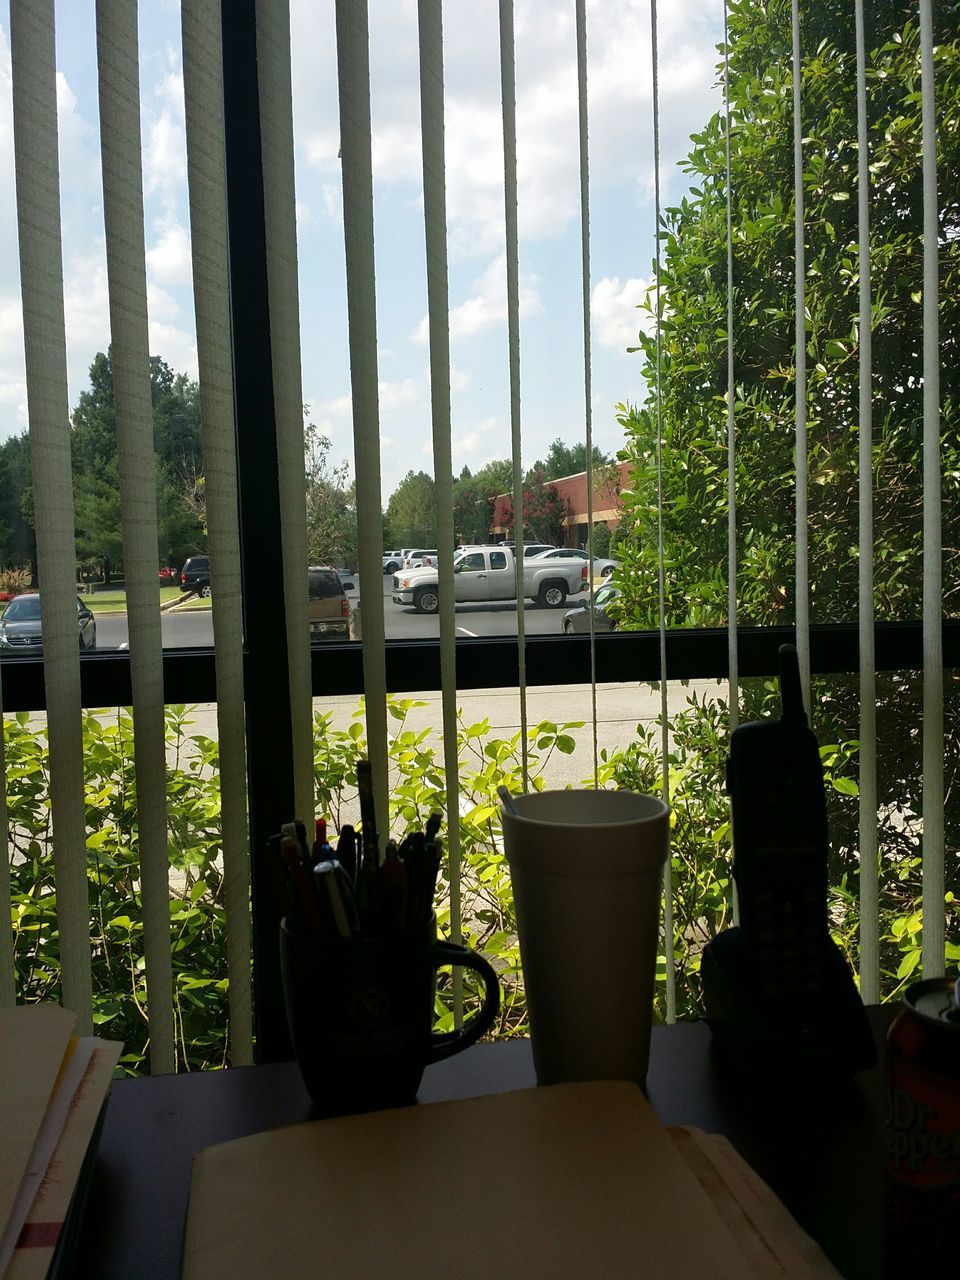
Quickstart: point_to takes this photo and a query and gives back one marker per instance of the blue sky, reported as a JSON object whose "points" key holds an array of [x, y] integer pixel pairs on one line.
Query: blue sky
{"points": [[551, 345]]}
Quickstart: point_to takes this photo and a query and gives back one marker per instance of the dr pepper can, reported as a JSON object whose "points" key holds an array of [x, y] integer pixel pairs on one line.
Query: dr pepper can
{"points": [[922, 1138]]}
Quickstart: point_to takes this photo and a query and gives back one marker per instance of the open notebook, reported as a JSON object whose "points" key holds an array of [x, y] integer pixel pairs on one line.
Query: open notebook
{"points": [[575, 1180]]}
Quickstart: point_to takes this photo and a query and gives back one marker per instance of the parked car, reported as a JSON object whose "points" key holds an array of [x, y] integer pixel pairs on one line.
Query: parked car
{"points": [[531, 548], [577, 621], [195, 575], [328, 607], [392, 561], [601, 564], [20, 626], [421, 559], [168, 576], [482, 574]]}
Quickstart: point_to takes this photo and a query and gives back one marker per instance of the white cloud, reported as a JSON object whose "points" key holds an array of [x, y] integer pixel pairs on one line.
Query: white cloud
{"points": [[13, 387], [168, 261], [177, 346], [486, 308], [66, 98], [619, 104], [162, 306], [616, 320], [395, 394], [391, 395], [85, 301], [164, 157], [339, 405]]}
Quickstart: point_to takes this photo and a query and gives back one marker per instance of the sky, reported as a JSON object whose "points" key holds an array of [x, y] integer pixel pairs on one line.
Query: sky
{"points": [[551, 315]]}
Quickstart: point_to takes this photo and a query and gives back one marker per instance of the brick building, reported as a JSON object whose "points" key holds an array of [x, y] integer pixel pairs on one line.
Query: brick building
{"points": [[572, 491]]}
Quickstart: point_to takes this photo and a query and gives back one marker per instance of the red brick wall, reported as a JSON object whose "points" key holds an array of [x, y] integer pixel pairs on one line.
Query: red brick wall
{"points": [[573, 489]]}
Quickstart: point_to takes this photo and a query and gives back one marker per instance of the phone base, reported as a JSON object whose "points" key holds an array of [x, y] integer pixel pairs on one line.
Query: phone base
{"points": [[825, 1034]]}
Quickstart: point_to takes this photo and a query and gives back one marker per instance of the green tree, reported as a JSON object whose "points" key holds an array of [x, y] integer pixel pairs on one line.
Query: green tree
{"points": [[331, 504], [544, 511], [17, 540], [693, 286], [179, 452], [474, 497], [567, 460], [692, 385], [412, 511]]}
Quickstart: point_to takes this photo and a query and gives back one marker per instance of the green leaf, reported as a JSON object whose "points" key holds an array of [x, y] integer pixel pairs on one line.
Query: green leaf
{"points": [[846, 786]]}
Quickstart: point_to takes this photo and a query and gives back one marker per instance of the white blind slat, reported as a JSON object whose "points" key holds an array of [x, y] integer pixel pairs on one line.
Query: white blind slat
{"points": [[130, 355], [41, 277], [869, 905], [353, 69], [802, 605], [203, 99], [508, 100], [934, 917], [583, 122], [671, 982], [435, 229], [279, 202]]}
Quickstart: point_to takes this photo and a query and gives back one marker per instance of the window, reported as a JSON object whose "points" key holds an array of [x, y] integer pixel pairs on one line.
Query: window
{"points": [[730, 599]]}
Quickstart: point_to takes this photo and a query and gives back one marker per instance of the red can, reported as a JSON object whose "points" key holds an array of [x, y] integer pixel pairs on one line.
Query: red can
{"points": [[922, 1138]]}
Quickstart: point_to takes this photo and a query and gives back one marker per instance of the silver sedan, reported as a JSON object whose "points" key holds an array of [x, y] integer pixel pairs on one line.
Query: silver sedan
{"points": [[601, 564], [578, 620]]}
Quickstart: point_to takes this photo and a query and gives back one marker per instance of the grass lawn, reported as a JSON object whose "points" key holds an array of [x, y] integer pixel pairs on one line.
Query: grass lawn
{"points": [[116, 601]]}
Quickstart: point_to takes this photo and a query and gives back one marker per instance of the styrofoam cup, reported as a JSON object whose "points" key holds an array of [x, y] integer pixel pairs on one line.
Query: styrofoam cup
{"points": [[587, 870]]}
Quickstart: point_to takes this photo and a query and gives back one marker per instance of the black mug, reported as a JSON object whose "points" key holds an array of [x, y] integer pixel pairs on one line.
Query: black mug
{"points": [[361, 1013]]}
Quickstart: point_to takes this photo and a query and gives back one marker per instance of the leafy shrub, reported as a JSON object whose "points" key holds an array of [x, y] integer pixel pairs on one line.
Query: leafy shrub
{"points": [[700, 852], [601, 538], [113, 874], [13, 581]]}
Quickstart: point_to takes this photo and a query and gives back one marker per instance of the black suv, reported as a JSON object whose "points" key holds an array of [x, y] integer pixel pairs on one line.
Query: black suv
{"points": [[195, 575]]}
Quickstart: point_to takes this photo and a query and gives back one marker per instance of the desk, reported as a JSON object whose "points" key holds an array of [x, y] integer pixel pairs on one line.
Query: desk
{"points": [[820, 1153]]}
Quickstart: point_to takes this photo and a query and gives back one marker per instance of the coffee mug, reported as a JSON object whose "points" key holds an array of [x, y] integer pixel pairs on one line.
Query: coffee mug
{"points": [[361, 1013]]}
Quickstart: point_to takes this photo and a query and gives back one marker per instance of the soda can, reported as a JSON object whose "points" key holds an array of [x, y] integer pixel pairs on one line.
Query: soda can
{"points": [[922, 1132]]}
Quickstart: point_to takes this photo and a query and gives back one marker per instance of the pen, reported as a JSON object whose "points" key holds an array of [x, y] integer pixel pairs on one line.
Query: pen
{"points": [[393, 889], [319, 840], [368, 815], [297, 831], [336, 890], [413, 853], [307, 909], [278, 880], [347, 851]]}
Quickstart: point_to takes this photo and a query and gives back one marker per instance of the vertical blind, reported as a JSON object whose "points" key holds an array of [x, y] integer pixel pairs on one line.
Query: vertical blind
{"points": [[38, 204]]}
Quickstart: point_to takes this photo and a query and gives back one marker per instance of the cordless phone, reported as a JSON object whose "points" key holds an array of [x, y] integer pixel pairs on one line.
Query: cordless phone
{"points": [[781, 846], [778, 990]]}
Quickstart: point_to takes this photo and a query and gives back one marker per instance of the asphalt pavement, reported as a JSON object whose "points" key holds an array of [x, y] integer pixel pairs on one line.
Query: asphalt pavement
{"points": [[193, 628], [617, 709]]}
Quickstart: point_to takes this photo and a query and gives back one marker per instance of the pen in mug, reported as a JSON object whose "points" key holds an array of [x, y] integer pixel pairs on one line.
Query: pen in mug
{"points": [[336, 891], [347, 851], [307, 910], [368, 813], [393, 890]]}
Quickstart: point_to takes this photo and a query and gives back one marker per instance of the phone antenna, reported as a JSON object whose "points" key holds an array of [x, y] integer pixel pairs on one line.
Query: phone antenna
{"points": [[791, 691]]}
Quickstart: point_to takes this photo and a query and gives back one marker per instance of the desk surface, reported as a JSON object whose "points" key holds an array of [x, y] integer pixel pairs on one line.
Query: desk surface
{"points": [[820, 1152]]}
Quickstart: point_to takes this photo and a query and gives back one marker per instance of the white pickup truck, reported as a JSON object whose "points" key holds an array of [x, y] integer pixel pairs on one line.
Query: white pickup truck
{"points": [[489, 573]]}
